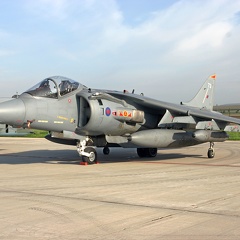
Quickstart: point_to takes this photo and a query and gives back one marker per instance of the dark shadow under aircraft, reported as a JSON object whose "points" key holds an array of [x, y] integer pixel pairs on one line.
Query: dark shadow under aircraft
{"points": [[88, 118]]}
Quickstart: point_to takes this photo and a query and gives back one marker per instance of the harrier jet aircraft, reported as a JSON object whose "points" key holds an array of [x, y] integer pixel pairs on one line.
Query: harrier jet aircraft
{"points": [[88, 118]]}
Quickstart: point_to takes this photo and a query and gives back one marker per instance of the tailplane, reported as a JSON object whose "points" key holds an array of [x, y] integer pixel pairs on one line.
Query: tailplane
{"points": [[204, 97]]}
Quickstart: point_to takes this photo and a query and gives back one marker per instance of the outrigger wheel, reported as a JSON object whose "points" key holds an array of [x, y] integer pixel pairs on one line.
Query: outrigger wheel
{"points": [[211, 152]]}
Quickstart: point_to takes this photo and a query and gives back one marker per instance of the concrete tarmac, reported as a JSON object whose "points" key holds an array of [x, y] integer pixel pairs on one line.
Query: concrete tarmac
{"points": [[180, 194]]}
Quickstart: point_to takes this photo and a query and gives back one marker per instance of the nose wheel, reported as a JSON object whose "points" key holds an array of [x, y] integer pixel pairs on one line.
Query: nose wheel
{"points": [[91, 156], [211, 152], [88, 152]]}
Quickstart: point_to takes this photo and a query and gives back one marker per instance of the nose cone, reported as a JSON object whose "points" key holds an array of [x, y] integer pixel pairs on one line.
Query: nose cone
{"points": [[12, 112]]}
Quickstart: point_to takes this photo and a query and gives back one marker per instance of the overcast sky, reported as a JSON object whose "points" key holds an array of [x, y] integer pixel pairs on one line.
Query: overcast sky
{"points": [[163, 48]]}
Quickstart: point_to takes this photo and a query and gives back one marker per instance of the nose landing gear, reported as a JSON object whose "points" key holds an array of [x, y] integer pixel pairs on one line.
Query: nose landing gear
{"points": [[88, 152]]}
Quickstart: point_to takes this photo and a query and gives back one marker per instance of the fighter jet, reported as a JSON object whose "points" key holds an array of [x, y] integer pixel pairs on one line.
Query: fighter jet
{"points": [[89, 118]]}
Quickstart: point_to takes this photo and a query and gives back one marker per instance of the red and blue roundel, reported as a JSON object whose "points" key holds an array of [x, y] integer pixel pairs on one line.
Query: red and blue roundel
{"points": [[108, 111]]}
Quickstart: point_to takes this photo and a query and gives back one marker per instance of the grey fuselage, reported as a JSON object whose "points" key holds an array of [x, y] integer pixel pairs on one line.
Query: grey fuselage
{"points": [[107, 117]]}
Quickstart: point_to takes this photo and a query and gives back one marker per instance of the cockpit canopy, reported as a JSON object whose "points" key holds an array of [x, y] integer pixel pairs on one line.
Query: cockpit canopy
{"points": [[53, 87]]}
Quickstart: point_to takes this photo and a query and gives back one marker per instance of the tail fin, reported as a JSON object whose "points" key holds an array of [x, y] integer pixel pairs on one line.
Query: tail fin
{"points": [[204, 97]]}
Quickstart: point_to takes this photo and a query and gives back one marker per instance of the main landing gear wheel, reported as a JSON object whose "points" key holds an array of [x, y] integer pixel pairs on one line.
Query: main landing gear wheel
{"points": [[211, 152], [92, 158], [151, 152], [106, 150], [141, 152], [147, 152]]}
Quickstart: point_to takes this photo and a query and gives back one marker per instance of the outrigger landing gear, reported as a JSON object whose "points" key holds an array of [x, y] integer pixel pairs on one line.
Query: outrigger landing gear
{"points": [[88, 152], [211, 152]]}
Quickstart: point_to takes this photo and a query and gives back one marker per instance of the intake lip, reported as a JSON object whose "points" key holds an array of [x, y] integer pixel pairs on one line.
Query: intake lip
{"points": [[12, 112]]}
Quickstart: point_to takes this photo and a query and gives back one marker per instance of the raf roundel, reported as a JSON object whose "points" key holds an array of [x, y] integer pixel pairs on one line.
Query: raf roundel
{"points": [[108, 111]]}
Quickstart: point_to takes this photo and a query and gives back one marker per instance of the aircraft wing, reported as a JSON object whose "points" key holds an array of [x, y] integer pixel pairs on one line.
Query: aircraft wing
{"points": [[160, 107]]}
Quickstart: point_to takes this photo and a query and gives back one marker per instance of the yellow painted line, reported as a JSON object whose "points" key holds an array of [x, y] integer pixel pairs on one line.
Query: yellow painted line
{"points": [[63, 118]]}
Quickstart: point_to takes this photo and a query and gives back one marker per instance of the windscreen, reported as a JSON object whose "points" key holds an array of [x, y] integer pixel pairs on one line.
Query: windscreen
{"points": [[53, 87]]}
